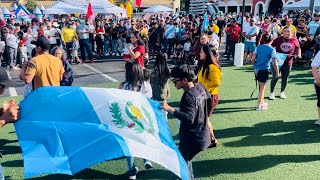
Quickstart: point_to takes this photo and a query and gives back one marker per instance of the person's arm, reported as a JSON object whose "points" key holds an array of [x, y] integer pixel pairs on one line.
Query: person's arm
{"points": [[29, 72], [315, 65], [215, 76], [134, 55], [275, 62], [189, 110], [276, 67], [9, 115]]}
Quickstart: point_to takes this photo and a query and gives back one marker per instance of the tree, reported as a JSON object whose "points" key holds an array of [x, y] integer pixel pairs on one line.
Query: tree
{"points": [[31, 5]]}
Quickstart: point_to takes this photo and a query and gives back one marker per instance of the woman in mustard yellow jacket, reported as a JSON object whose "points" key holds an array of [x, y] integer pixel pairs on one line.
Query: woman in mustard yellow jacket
{"points": [[210, 77]]}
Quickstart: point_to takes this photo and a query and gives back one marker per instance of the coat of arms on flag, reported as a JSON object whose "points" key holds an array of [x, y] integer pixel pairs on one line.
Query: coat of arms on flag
{"points": [[141, 120], [73, 128]]}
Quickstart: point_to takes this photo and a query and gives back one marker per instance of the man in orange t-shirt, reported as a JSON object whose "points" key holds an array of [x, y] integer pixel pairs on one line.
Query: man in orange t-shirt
{"points": [[45, 69]]}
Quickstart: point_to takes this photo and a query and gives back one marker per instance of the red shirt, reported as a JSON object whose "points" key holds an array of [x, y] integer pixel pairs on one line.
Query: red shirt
{"points": [[287, 47], [140, 59], [235, 31], [99, 30]]}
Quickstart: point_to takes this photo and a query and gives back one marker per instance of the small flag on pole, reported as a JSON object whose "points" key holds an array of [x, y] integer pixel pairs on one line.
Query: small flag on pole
{"points": [[90, 12]]}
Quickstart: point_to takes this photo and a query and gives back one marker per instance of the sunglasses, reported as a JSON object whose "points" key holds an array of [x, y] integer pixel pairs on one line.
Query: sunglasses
{"points": [[2, 89], [175, 80]]}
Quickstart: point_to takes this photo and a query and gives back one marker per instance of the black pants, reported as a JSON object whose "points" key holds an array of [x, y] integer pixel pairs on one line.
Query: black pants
{"points": [[69, 47], [232, 48], [91, 40], [99, 43], [169, 42], [318, 94], [284, 71]]}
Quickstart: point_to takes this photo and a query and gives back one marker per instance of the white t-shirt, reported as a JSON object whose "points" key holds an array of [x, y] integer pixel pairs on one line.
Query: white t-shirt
{"points": [[28, 41], [51, 32], [316, 63], [250, 30], [145, 89]]}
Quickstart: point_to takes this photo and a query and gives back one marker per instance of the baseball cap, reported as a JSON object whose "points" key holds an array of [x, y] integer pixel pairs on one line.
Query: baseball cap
{"points": [[42, 42]]}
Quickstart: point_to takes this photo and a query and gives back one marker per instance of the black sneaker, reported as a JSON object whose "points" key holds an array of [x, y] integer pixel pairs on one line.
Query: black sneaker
{"points": [[133, 173]]}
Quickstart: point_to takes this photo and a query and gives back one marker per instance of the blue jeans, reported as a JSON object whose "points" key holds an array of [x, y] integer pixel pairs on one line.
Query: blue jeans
{"points": [[85, 48], [131, 165], [114, 44], [1, 173], [122, 43], [106, 46]]}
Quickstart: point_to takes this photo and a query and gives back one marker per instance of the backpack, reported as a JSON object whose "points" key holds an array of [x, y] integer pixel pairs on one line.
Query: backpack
{"points": [[67, 78]]}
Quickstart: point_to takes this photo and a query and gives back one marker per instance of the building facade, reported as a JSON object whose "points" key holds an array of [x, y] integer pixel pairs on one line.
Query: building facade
{"points": [[254, 6]]}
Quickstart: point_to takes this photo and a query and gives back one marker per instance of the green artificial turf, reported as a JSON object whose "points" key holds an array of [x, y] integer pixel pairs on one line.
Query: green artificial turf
{"points": [[280, 143]]}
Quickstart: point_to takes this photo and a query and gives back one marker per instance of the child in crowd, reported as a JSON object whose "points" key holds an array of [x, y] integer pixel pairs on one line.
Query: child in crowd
{"points": [[136, 81], [213, 40], [23, 51], [262, 57], [28, 88], [308, 49], [75, 48]]}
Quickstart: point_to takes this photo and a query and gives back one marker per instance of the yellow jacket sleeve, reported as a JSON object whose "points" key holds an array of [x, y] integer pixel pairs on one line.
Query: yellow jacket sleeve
{"points": [[214, 78], [213, 81], [62, 34]]}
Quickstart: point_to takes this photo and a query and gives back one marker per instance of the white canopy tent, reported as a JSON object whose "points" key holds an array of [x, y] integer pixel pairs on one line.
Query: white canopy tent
{"points": [[157, 8], [98, 6], [301, 5], [61, 7]]}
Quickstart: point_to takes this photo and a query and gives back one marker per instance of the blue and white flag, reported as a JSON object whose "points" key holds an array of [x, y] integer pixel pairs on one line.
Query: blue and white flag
{"points": [[67, 129], [205, 23], [281, 58]]}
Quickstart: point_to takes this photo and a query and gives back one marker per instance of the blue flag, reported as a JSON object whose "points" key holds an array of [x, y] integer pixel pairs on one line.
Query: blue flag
{"points": [[67, 129], [205, 23], [280, 58]]}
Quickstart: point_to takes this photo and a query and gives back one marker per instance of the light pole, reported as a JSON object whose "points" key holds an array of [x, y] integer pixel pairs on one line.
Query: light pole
{"points": [[311, 7]]}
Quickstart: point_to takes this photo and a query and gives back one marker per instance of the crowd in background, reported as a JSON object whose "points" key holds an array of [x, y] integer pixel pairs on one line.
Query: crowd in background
{"points": [[186, 39]]}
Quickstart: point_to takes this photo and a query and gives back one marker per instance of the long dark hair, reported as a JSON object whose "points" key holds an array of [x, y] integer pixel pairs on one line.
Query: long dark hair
{"points": [[211, 55], [134, 76], [161, 69], [137, 35]]}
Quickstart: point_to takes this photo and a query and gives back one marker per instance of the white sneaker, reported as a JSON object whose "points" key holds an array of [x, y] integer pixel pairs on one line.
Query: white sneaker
{"points": [[271, 96], [282, 95], [262, 107], [317, 123], [106, 54]]}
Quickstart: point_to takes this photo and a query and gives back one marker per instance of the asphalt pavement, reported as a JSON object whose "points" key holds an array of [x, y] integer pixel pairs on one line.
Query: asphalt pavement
{"points": [[104, 70]]}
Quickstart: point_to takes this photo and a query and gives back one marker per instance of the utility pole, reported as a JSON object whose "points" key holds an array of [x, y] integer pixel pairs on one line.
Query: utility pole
{"points": [[311, 7], [243, 14]]}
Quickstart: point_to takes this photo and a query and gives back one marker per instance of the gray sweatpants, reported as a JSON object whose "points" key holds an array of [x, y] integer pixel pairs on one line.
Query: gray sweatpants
{"points": [[12, 56]]}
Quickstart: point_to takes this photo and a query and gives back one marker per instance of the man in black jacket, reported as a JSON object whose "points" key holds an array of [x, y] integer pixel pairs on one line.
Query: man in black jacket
{"points": [[193, 114]]}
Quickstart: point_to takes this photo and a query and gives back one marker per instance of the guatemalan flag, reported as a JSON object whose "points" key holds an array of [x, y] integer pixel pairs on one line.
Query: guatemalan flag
{"points": [[67, 129]]}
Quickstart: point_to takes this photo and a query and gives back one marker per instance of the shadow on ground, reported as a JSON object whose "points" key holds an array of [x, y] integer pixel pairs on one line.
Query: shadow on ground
{"points": [[247, 165], [272, 133]]}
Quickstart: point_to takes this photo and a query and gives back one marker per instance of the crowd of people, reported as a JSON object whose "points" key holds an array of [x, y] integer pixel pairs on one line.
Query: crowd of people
{"points": [[45, 51]]}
